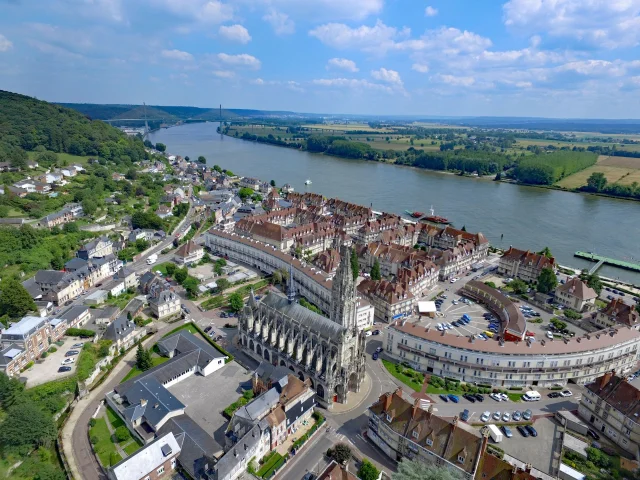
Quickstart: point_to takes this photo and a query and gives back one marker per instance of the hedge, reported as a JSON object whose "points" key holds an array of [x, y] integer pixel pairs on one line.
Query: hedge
{"points": [[80, 332], [268, 465]]}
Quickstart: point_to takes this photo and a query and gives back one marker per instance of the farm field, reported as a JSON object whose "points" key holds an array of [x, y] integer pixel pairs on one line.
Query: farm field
{"points": [[342, 127], [623, 170], [525, 142]]}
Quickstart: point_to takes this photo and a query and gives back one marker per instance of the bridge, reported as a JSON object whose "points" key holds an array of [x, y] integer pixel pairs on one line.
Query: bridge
{"points": [[602, 260]]}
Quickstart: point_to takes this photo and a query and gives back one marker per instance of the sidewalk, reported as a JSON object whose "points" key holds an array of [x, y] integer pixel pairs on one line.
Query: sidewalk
{"points": [[354, 399]]}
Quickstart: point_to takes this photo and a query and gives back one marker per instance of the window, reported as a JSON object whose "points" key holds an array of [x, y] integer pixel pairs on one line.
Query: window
{"points": [[460, 458], [511, 364], [414, 434], [429, 442], [173, 463], [432, 351], [160, 470], [388, 417]]}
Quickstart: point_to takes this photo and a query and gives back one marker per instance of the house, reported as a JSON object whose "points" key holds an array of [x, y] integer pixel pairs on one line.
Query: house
{"points": [[121, 282], [96, 298], [123, 333], [576, 294], [287, 188], [164, 303], [51, 177], [617, 313], [44, 307], [612, 406], [106, 315], [7, 167], [54, 286], [403, 429], [13, 358], [333, 471], [156, 460], [100, 247], [118, 177], [524, 265], [249, 182], [58, 218], [189, 252], [69, 172], [139, 234], [31, 164], [31, 334], [76, 316], [494, 468], [164, 211]]}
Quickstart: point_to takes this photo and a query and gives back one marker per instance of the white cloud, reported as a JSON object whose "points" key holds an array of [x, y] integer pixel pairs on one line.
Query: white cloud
{"points": [[387, 76], [594, 68], [5, 43], [342, 64], [241, 60], [600, 23], [235, 33], [199, 11], [454, 80], [379, 38], [430, 11], [294, 86], [420, 67], [177, 55], [257, 81], [323, 10], [449, 41], [353, 83], [280, 22], [223, 73]]}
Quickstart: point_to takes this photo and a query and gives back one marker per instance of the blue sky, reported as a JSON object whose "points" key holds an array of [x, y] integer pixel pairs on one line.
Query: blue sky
{"points": [[553, 58]]}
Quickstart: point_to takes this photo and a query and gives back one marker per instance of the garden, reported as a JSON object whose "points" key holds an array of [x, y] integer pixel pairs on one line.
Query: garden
{"points": [[246, 397], [597, 466], [108, 434], [407, 375], [270, 463]]}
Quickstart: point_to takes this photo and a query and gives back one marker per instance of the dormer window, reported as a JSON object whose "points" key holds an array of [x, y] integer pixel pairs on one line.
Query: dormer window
{"points": [[389, 418], [429, 442], [414, 434], [460, 459]]}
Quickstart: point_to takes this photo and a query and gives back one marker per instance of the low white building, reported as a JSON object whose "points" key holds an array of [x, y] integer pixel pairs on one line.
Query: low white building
{"points": [[190, 252], [164, 304], [364, 314]]}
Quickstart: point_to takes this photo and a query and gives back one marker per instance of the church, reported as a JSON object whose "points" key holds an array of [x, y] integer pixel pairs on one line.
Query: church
{"points": [[330, 352]]}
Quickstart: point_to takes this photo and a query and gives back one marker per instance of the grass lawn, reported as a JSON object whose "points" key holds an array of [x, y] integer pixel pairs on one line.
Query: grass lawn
{"points": [[105, 448], [187, 326], [162, 268], [131, 448], [121, 300], [70, 159], [114, 419], [410, 382], [135, 372], [269, 464]]}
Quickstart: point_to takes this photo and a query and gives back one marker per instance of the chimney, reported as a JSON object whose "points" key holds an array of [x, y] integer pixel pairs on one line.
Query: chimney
{"points": [[604, 380], [387, 401], [143, 402], [528, 467], [416, 406]]}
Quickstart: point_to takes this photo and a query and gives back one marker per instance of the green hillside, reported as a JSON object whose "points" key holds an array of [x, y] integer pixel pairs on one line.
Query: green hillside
{"points": [[27, 124], [152, 113]]}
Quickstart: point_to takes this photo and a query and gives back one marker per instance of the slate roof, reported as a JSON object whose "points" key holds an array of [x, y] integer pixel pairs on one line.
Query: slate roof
{"points": [[303, 316], [75, 264], [160, 402], [32, 287], [8, 353], [147, 459], [119, 328], [184, 342], [73, 312], [229, 461]]}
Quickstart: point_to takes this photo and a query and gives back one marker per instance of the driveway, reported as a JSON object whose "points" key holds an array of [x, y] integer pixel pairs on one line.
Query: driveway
{"points": [[541, 452]]}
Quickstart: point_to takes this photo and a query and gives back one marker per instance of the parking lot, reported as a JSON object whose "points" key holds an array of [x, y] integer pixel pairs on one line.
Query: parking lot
{"points": [[207, 397], [46, 369]]}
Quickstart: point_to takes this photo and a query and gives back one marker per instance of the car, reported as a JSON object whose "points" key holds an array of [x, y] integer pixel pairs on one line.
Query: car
{"points": [[309, 476], [553, 394], [211, 333], [378, 350], [453, 280], [64, 369], [68, 361], [77, 345], [566, 393], [464, 416], [485, 417], [479, 397], [504, 397], [526, 415], [530, 334], [532, 431], [488, 333], [486, 315], [223, 315], [506, 417], [614, 290], [453, 398], [496, 416], [550, 335], [507, 431], [469, 397], [448, 326], [483, 336], [71, 353], [593, 434], [376, 332], [367, 334], [517, 416], [218, 338], [444, 398], [207, 328], [597, 445], [374, 356], [455, 302], [444, 296], [523, 431], [466, 320], [455, 323], [440, 327], [496, 397]]}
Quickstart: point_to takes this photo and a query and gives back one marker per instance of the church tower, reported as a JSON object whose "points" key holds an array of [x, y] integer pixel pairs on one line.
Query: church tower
{"points": [[343, 292]]}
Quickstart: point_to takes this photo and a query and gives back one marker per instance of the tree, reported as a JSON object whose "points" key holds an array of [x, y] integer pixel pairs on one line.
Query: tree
{"points": [[161, 147], [143, 359], [170, 268], [547, 281], [341, 453], [276, 278], [272, 183], [141, 244], [592, 281], [596, 182], [10, 390], [546, 251], [201, 159], [375, 271], [355, 268], [222, 284], [518, 286], [245, 192], [181, 275], [15, 301], [217, 168], [236, 302], [26, 426], [191, 286], [132, 173], [71, 227], [416, 470], [122, 433], [368, 471], [146, 220]]}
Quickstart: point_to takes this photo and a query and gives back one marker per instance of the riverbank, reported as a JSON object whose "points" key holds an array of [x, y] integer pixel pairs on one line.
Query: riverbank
{"points": [[448, 172]]}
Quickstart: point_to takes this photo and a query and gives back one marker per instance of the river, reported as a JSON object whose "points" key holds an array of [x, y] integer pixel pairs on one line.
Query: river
{"points": [[525, 217]]}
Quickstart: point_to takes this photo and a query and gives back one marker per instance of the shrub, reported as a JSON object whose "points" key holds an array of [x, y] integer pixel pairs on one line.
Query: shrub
{"points": [[122, 434], [94, 438], [45, 355], [80, 332], [572, 314], [53, 350], [92, 422], [114, 458]]}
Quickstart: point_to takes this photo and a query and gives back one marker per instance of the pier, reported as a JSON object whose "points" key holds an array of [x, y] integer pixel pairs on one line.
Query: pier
{"points": [[606, 260]]}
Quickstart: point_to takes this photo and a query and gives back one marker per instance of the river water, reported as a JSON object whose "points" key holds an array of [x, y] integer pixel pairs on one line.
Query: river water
{"points": [[525, 217]]}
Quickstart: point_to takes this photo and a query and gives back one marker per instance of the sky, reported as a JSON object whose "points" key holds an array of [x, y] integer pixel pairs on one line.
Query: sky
{"points": [[544, 58]]}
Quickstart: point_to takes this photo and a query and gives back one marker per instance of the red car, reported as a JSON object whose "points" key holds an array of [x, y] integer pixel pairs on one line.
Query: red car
{"points": [[530, 334]]}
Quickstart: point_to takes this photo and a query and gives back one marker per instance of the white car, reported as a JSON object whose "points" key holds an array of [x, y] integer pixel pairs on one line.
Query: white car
{"points": [[504, 397], [549, 335], [496, 416], [496, 397], [68, 361], [455, 302], [566, 393], [506, 417], [368, 333], [440, 327], [448, 326], [485, 417], [453, 280]]}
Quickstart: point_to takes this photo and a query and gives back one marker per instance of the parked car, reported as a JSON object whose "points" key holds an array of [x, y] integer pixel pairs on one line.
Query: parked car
{"points": [[523, 431], [593, 434], [77, 345], [597, 445], [485, 417], [309, 476], [453, 398], [376, 332], [444, 398], [71, 353], [367, 334], [504, 397], [465, 415], [223, 315], [517, 416], [532, 431], [218, 338], [378, 350], [64, 369], [497, 415], [479, 397], [507, 431], [553, 394], [469, 397], [496, 397], [211, 333], [506, 417], [68, 361], [566, 393], [207, 329], [526, 415]]}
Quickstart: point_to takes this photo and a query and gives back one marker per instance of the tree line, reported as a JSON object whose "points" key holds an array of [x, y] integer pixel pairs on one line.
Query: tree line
{"points": [[548, 168]]}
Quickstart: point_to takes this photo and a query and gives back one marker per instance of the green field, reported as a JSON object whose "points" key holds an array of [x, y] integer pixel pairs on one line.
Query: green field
{"points": [[623, 170], [409, 381], [63, 158]]}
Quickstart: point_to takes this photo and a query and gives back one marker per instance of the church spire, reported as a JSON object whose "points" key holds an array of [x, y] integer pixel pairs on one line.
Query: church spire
{"points": [[343, 292], [291, 288]]}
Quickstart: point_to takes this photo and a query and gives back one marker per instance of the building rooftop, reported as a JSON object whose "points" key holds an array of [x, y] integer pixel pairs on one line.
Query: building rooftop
{"points": [[148, 459], [578, 288], [25, 326], [618, 393]]}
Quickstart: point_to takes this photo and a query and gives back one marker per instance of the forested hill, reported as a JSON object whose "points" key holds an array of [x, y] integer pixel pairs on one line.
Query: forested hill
{"points": [[27, 124]]}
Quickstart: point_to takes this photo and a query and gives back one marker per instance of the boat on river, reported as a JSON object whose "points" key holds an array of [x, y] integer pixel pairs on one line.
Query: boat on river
{"points": [[435, 219], [307, 182]]}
